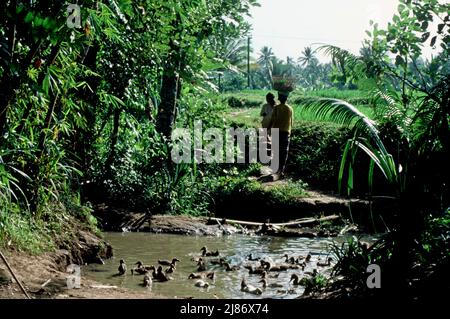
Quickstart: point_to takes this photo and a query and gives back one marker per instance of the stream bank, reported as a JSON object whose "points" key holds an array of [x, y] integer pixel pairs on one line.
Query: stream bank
{"points": [[45, 276]]}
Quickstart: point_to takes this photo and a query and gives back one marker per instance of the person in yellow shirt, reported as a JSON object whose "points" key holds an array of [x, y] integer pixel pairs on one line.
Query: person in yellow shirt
{"points": [[282, 119]]}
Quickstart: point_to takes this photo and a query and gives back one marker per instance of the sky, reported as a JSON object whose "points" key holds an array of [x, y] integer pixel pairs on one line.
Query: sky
{"points": [[287, 26]]}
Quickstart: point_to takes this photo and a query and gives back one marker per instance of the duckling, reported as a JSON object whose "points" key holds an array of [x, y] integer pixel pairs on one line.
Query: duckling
{"points": [[147, 281], [249, 288], [122, 267], [168, 262], [201, 284], [230, 268], [325, 264], [201, 266], [206, 253]]}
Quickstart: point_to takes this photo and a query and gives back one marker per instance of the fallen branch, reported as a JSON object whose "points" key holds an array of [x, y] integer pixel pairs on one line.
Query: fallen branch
{"points": [[14, 275], [303, 221]]}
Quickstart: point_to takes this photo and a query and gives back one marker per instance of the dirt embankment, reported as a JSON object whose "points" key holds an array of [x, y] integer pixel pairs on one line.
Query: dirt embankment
{"points": [[45, 276], [122, 220]]}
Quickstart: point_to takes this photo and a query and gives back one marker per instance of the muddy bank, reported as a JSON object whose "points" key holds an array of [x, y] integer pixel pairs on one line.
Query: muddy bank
{"points": [[122, 220], [45, 276]]}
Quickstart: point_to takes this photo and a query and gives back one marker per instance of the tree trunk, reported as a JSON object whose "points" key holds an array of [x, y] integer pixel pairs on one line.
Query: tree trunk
{"points": [[114, 139], [167, 107]]}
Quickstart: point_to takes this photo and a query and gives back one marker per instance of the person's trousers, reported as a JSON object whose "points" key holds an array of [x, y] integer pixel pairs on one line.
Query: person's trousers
{"points": [[285, 140]]}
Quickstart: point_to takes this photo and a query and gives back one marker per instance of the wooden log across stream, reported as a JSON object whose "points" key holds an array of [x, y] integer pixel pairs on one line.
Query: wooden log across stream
{"points": [[303, 221]]}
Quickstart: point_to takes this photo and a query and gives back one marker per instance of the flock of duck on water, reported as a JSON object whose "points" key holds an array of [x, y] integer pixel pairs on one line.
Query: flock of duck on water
{"points": [[267, 270]]}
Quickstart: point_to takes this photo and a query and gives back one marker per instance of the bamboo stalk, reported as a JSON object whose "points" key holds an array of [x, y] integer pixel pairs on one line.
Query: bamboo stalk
{"points": [[14, 275]]}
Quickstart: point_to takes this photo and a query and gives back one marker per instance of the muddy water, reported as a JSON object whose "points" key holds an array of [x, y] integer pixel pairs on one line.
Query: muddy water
{"points": [[148, 248]]}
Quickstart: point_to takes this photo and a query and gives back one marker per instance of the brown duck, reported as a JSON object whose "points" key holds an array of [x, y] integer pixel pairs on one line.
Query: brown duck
{"points": [[228, 267], [206, 253], [168, 262], [201, 266], [325, 264], [140, 269], [122, 267], [161, 276]]}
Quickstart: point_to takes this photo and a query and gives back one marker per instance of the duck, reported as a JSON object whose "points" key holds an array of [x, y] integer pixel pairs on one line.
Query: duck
{"points": [[289, 260], [255, 271], [210, 275], [147, 281], [251, 258], [249, 288], [196, 276], [201, 266], [154, 274], [271, 285], [161, 276], [140, 269], [296, 280], [264, 264], [228, 267], [122, 267], [270, 267], [219, 261], [206, 253], [201, 284], [168, 262], [171, 269], [325, 264], [306, 258]]}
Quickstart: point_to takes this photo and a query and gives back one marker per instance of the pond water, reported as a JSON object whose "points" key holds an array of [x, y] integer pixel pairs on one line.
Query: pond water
{"points": [[148, 248]]}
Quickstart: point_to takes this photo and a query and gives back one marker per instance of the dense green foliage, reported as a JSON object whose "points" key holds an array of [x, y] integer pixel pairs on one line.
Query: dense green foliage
{"points": [[84, 110]]}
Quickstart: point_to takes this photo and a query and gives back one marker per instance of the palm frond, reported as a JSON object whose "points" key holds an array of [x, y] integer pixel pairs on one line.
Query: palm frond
{"points": [[366, 138], [340, 112]]}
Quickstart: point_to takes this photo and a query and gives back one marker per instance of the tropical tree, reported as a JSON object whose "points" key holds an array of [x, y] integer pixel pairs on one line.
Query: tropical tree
{"points": [[265, 60], [308, 57], [409, 142]]}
